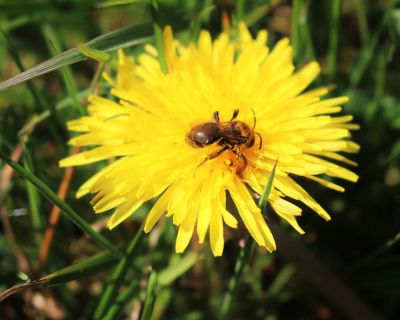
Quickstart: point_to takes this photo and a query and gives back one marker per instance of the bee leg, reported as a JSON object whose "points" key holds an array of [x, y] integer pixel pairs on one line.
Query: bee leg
{"points": [[239, 155], [216, 116], [261, 141], [214, 155], [235, 114], [240, 168]]}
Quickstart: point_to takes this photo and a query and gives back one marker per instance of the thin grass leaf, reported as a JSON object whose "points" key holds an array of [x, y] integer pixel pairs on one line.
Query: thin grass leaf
{"points": [[113, 3], [158, 34], [177, 268], [150, 297], [66, 73], [87, 267], [334, 37], [202, 17], [31, 87], [64, 103], [122, 38], [259, 12], [240, 10], [118, 276], [122, 300], [65, 208], [262, 203], [33, 194], [295, 28], [367, 53], [280, 281], [362, 20]]}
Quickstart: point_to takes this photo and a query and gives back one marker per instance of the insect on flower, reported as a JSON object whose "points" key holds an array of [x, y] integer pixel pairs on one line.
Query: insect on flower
{"points": [[231, 135], [166, 151]]}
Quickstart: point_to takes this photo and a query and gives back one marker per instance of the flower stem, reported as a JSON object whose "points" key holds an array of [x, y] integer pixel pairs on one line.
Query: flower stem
{"points": [[245, 253], [241, 262], [150, 296]]}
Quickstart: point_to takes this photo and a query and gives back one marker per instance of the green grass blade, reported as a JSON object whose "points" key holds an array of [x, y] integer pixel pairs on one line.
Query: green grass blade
{"points": [[121, 301], [87, 267], [179, 265], [64, 103], [54, 46], [113, 3], [240, 10], [118, 276], [362, 18], [259, 12], [121, 38], [262, 203], [295, 28], [158, 35], [33, 194], [367, 53], [31, 87], [65, 208], [334, 38], [150, 297]]}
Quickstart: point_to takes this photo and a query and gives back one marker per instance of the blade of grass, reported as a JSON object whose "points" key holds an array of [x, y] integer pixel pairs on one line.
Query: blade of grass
{"points": [[262, 203], [380, 83], [179, 265], [33, 194], [367, 53], [362, 18], [122, 38], [295, 29], [122, 300], [388, 244], [40, 103], [87, 267], [64, 103], [158, 34], [68, 211], [150, 296], [259, 12], [203, 16], [240, 10], [336, 6], [118, 276], [112, 3], [244, 255], [55, 48], [31, 87]]}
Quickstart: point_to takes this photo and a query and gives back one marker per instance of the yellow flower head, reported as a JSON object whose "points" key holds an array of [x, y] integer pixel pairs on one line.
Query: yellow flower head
{"points": [[214, 124]]}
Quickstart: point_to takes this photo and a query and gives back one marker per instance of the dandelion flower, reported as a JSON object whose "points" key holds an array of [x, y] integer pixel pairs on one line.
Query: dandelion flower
{"points": [[153, 133]]}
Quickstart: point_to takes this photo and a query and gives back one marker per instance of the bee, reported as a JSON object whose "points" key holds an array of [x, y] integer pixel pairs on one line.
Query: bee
{"points": [[233, 135]]}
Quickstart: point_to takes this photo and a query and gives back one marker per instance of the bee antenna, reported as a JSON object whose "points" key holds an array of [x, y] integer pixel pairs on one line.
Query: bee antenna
{"points": [[254, 117]]}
